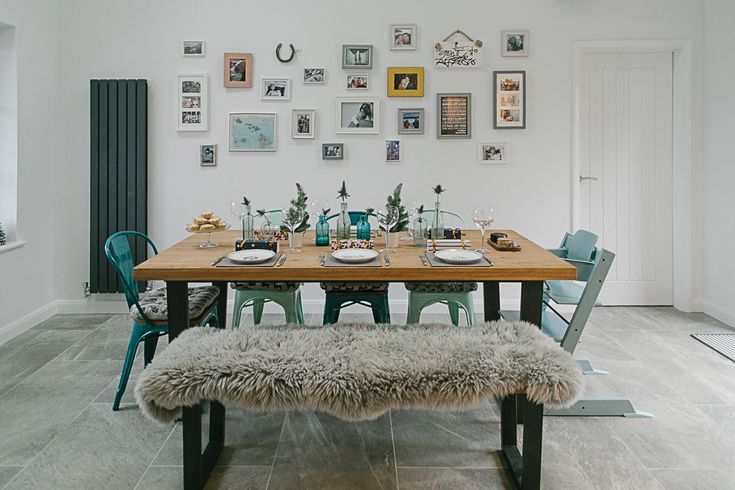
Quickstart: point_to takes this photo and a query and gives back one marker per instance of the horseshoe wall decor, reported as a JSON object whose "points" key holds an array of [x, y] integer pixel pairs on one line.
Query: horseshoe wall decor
{"points": [[278, 53]]}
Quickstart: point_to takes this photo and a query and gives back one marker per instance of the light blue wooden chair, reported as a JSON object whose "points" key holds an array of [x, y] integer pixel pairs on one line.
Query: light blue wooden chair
{"points": [[149, 311], [456, 295], [257, 294]]}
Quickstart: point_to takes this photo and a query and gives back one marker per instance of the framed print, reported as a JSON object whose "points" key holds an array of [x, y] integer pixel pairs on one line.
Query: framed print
{"points": [[252, 131], [509, 104], [208, 155], [515, 43], [403, 37], [411, 121], [191, 102], [393, 150], [454, 115], [303, 123], [494, 153], [333, 151], [238, 70], [405, 82], [358, 115], [314, 76], [193, 48], [275, 89], [357, 81], [357, 56], [456, 55]]}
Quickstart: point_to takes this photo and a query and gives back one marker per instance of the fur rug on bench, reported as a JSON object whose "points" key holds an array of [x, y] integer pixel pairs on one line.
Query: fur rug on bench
{"points": [[356, 371]]}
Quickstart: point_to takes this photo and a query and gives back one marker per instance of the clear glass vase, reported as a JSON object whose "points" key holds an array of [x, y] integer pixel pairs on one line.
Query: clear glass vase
{"points": [[420, 229], [437, 226], [343, 223], [363, 228], [322, 231], [248, 225]]}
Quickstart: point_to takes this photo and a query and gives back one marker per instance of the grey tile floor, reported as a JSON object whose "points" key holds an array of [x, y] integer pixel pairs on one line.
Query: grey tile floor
{"points": [[57, 429]]}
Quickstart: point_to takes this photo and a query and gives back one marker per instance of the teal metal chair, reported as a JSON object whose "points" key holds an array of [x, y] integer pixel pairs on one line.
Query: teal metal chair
{"points": [[148, 311], [456, 295], [339, 295], [257, 294]]}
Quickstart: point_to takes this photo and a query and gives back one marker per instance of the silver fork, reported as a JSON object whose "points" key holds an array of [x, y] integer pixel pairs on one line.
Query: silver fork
{"points": [[322, 260], [423, 260], [387, 260]]}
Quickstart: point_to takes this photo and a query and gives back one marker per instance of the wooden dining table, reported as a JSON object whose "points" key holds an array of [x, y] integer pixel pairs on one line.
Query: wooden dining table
{"points": [[185, 262]]}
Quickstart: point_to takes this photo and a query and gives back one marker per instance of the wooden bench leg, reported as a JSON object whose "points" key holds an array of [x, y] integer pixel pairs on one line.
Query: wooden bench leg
{"points": [[197, 465], [525, 467]]}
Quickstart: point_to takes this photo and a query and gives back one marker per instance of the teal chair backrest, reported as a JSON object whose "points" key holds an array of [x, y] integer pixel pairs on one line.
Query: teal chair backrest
{"points": [[275, 216], [354, 216], [117, 250], [429, 216], [580, 246]]}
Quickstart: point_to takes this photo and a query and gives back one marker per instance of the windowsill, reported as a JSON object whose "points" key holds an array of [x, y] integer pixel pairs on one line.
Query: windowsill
{"points": [[11, 246]]}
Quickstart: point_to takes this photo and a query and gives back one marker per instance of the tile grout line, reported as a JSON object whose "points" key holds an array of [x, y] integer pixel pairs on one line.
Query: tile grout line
{"points": [[173, 428], [648, 470], [393, 443], [275, 455]]}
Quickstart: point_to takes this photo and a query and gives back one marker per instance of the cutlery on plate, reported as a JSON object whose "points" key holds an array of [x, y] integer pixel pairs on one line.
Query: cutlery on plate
{"points": [[322, 260], [387, 260], [423, 260], [281, 260]]}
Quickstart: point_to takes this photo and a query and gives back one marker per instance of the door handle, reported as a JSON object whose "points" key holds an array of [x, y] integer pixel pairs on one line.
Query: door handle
{"points": [[582, 179]]}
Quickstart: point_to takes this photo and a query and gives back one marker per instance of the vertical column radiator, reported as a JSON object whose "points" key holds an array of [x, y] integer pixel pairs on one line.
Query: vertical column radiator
{"points": [[118, 173]]}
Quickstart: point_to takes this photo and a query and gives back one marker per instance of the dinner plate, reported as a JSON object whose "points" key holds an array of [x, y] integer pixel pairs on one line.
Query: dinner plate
{"points": [[458, 256], [251, 256], [355, 255]]}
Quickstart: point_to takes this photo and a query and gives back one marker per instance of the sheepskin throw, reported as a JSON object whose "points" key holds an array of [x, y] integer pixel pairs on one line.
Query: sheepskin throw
{"points": [[355, 371]]}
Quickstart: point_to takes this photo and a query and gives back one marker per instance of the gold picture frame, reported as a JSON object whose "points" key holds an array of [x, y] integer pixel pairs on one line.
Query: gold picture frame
{"points": [[405, 81]]}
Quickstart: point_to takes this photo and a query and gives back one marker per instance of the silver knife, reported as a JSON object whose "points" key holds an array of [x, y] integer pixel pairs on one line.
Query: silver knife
{"points": [[322, 260], [387, 260], [218, 260], [281, 260]]}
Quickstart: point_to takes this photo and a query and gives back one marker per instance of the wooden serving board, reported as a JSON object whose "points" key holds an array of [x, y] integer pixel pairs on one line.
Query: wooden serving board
{"points": [[504, 249]]}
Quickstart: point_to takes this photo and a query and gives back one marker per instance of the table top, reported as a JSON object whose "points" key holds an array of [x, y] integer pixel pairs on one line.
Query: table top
{"points": [[185, 261]]}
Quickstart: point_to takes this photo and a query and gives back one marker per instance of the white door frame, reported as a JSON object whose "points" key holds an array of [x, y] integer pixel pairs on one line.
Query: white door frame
{"points": [[682, 149]]}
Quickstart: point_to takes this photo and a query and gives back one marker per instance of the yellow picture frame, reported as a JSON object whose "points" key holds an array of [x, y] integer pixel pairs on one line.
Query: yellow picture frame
{"points": [[405, 81]]}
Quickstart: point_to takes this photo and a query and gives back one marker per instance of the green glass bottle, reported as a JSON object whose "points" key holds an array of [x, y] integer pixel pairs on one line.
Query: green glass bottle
{"points": [[363, 228], [322, 231]]}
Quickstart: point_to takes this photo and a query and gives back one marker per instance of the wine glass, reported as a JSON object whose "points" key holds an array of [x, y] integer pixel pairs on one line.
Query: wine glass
{"points": [[292, 217], [388, 217], [239, 210], [483, 218]]}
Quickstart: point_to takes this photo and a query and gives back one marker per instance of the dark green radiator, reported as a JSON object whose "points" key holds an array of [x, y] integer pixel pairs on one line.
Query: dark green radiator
{"points": [[119, 172]]}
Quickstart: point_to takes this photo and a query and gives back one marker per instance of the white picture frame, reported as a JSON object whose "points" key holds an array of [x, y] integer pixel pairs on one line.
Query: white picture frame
{"points": [[351, 116], [393, 150], [357, 81], [272, 85], [303, 119], [514, 43], [193, 48], [252, 131], [191, 102], [494, 153], [397, 37], [315, 76]]}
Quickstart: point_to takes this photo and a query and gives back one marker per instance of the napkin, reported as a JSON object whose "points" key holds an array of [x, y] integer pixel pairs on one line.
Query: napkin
{"points": [[450, 243]]}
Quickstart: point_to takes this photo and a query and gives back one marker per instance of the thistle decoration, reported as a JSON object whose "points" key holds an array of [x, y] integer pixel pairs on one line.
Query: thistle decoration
{"points": [[264, 214], [325, 212], [343, 192], [245, 201]]}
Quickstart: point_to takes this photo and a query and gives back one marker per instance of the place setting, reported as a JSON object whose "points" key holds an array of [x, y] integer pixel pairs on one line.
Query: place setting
{"points": [[253, 257], [482, 216]]}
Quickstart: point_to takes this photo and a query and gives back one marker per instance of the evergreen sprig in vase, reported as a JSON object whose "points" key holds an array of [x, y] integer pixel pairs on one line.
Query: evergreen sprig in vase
{"points": [[343, 220], [437, 226], [322, 229], [420, 228], [248, 221]]}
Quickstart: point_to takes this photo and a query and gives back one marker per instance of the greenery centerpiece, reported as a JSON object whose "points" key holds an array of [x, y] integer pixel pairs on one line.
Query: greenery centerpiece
{"points": [[394, 200], [298, 209]]}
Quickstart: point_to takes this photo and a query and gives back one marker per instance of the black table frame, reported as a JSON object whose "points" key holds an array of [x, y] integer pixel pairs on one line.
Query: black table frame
{"points": [[524, 466]]}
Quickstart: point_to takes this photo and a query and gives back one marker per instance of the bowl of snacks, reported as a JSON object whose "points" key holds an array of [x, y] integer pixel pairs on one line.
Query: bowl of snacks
{"points": [[207, 223]]}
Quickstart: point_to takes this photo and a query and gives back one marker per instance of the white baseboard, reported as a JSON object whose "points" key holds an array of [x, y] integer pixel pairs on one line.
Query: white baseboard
{"points": [[27, 322], [722, 313]]}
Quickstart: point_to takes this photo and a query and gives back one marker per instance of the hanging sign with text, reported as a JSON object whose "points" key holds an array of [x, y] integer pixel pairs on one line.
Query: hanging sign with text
{"points": [[457, 55]]}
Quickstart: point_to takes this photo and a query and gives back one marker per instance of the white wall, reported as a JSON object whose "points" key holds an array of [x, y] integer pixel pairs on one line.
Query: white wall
{"points": [[719, 169], [138, 38], [27, 273]]}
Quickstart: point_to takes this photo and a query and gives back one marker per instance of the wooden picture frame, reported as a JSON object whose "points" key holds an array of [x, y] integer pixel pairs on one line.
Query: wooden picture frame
{"points": [[191, 102], [405, 81], [454, 116], [509, 101], [238, 70]]}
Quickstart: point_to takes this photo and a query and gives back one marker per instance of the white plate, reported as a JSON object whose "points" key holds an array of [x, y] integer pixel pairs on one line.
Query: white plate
{"points": [[252, 256], [458, 256], [354, 255]]}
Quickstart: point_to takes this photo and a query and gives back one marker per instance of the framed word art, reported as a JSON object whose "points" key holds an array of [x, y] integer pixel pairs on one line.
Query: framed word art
{"points": [[454, 115], [509, 104], [191, 102]]}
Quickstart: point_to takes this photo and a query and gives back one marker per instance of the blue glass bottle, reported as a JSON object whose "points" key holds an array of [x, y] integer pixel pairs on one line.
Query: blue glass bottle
{"points": [[363, 228], [322, 231]]}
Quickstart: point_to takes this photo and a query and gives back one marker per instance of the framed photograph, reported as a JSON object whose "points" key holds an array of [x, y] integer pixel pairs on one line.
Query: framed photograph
{"points": [[515, 43], [303, 123], [403, 37], [411, 121], [405, 82], [494, 153], [454, 115], [275, 89], [393, 150], [208, 155], [238, 70], [357, 56], [191, 102], [358, 115], [333, 151], [315, 76], [509, 104], [193, 48], [357, 81], [252, 131]]}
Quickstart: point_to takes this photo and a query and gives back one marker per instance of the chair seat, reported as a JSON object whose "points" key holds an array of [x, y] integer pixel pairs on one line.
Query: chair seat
{"points": [[566, 292], [267, 286], [441, 287], [354, 286], [154, 304]]}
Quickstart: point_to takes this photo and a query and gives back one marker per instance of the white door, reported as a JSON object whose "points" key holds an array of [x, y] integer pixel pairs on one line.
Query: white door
{"points": [[625, 157]]}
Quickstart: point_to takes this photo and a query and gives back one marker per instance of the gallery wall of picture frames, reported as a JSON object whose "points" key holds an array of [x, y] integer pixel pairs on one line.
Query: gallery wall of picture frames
{"points": [[258, 131]]}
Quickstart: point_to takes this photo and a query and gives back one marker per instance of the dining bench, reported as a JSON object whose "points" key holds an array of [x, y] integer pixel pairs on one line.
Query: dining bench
{"points": [[358, 372]]}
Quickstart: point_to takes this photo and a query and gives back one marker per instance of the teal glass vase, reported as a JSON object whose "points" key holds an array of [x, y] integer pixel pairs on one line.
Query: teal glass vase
{"points": [[363, 228], [343, 223], [322, 231]]}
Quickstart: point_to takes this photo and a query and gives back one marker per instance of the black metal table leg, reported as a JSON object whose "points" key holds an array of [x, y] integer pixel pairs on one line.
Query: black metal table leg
{"points": [[192, 438], [531, 296], [177, 299], [491, 300], [221, 304]]}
